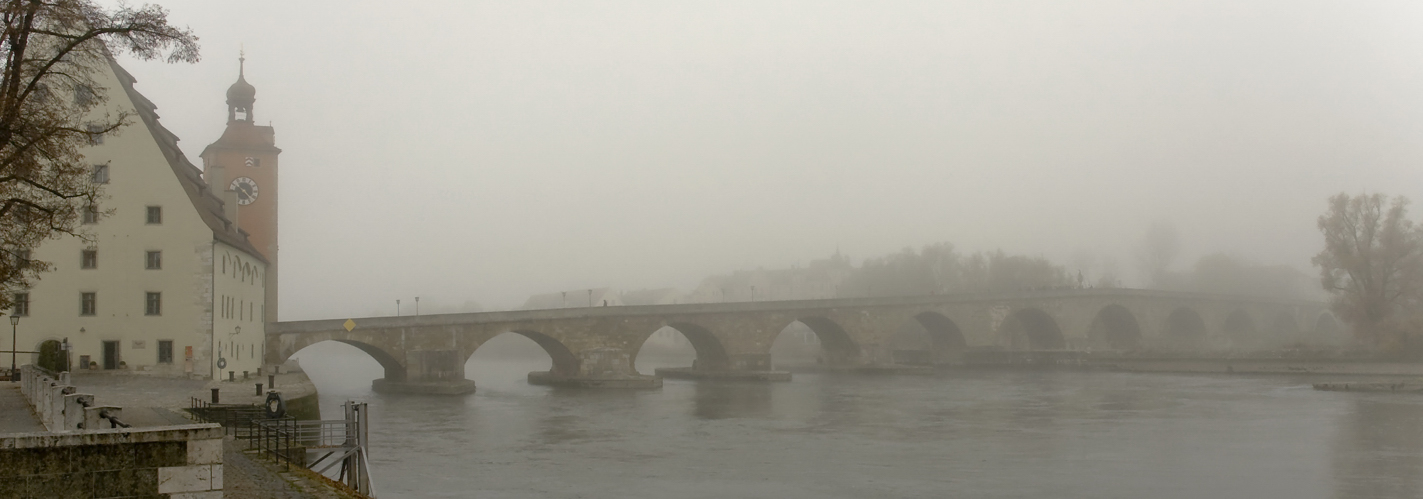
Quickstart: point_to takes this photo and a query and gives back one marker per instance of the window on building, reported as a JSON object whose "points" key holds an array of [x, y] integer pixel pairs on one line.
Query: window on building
{"points": [[95, 133], [88, 303], [83, 95], [155, 215], [89, 259], [22, 304], [153, 304], [22, 258], [100, 174], [154, 260], [91, 214], [165, 351]]}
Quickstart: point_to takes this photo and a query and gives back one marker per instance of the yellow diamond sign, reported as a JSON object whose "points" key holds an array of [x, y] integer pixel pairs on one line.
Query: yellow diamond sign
{"points": [[349, 325]]}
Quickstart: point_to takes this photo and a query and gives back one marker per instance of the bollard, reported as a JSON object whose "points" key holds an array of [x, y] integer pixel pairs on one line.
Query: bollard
{"points": [[214, 395], [259, 389], [272, 381], [232, 375]]}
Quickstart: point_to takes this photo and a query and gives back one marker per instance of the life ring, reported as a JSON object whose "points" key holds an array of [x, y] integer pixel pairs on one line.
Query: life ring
{"points": [[275, 407], [221, 363]]}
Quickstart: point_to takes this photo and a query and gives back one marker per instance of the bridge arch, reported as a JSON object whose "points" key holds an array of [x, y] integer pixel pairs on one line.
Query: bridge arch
{"points": [[927, 338], [831, 342], [1327, 326], [394, 369], [1185, 329], [942, 331], [565, 363], [1115, 327], [1239, 328], [709, 352], [1031, 329], [1285, 327]]}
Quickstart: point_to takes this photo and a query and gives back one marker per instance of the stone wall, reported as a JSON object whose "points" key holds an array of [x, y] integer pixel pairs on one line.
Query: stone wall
{"points": [[179, 461]]}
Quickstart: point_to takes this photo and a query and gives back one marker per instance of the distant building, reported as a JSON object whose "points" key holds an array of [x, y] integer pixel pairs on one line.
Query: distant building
{"points": [[171, 283], [596, 297], [819, 280], [661, 296]]}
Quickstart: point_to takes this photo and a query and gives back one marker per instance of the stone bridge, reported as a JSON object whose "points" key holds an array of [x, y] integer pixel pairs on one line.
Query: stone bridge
{"points": [[597, 346]]}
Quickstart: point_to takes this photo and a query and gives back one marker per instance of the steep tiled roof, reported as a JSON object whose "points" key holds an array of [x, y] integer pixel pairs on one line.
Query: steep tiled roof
{"points": [[209, 206]]}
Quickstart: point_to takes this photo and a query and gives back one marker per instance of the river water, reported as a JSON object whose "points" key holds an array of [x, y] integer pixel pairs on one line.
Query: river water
{"points": [[982, 434]]}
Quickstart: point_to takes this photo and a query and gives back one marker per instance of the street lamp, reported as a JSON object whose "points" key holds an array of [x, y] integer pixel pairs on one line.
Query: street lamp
{"points": [[14, 346]]}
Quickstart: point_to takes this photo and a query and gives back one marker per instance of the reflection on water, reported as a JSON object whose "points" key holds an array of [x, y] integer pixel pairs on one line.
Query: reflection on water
{"points": [[1378, 450], [963, 434]]}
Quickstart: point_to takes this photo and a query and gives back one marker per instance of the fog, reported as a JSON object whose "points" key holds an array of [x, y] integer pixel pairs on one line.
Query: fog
{"points": [[486, 151]]}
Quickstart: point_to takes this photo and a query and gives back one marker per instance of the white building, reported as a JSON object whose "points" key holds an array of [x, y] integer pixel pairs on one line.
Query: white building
{"points": [[170, 285]]}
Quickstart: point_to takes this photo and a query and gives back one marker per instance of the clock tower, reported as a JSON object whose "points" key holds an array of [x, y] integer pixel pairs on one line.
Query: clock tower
{"points": [[242, 166]]}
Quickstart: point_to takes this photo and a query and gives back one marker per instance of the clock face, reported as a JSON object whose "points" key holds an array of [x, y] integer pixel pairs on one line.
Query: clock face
{"points": [[246, 190]]}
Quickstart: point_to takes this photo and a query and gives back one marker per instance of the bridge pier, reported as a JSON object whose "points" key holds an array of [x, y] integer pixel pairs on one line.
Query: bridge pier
{"points": [[604, 367], [427, 372], [747, 367]]}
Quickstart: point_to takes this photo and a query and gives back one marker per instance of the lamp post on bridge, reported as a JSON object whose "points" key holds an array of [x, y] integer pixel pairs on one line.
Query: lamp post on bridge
{"points": [[14, 345], [397, 308]]}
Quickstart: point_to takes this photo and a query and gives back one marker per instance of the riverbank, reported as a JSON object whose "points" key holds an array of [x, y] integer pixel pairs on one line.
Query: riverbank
{"points": [[157, 401], [1262, 366]]}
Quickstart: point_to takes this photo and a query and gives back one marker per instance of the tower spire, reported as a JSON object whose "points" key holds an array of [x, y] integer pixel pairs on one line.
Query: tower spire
{"points": [[241, 95]]}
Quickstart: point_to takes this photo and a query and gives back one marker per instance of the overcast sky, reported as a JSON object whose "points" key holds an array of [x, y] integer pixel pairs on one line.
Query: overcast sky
{"points": [[489, 150]]}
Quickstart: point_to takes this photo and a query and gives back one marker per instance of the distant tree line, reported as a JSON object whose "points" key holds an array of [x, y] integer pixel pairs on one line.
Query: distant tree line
{"points": [[941, 269]]}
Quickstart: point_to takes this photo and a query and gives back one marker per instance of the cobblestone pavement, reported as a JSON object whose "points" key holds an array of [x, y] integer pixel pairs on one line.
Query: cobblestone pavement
{"points": [[134, 391], [15, 413]]}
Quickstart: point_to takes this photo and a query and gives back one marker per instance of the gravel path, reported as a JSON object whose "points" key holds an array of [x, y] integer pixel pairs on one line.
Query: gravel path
{"points": [[15, 413]]}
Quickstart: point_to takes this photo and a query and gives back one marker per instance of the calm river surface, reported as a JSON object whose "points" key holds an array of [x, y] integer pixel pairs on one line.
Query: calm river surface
{"points": [[955, 434]]}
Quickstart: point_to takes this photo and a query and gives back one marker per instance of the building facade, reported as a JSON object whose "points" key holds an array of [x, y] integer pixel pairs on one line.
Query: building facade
{"points": [[170, 284]]}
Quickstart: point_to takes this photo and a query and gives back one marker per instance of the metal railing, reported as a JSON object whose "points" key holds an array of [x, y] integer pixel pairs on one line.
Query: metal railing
{"points": [[289, 441], [114, 421], [234, 418]]}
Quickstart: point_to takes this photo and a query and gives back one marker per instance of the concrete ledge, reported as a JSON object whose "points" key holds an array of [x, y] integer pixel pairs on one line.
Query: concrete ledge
{"points": [[1260, 366], [867, 369], [1395, 387], [461, 387], [637, 381], [115, 436], [693, 373]]}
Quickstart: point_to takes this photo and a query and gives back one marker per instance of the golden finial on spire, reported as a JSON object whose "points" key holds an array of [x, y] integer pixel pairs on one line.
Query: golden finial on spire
{"points": [[241, 59]]}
